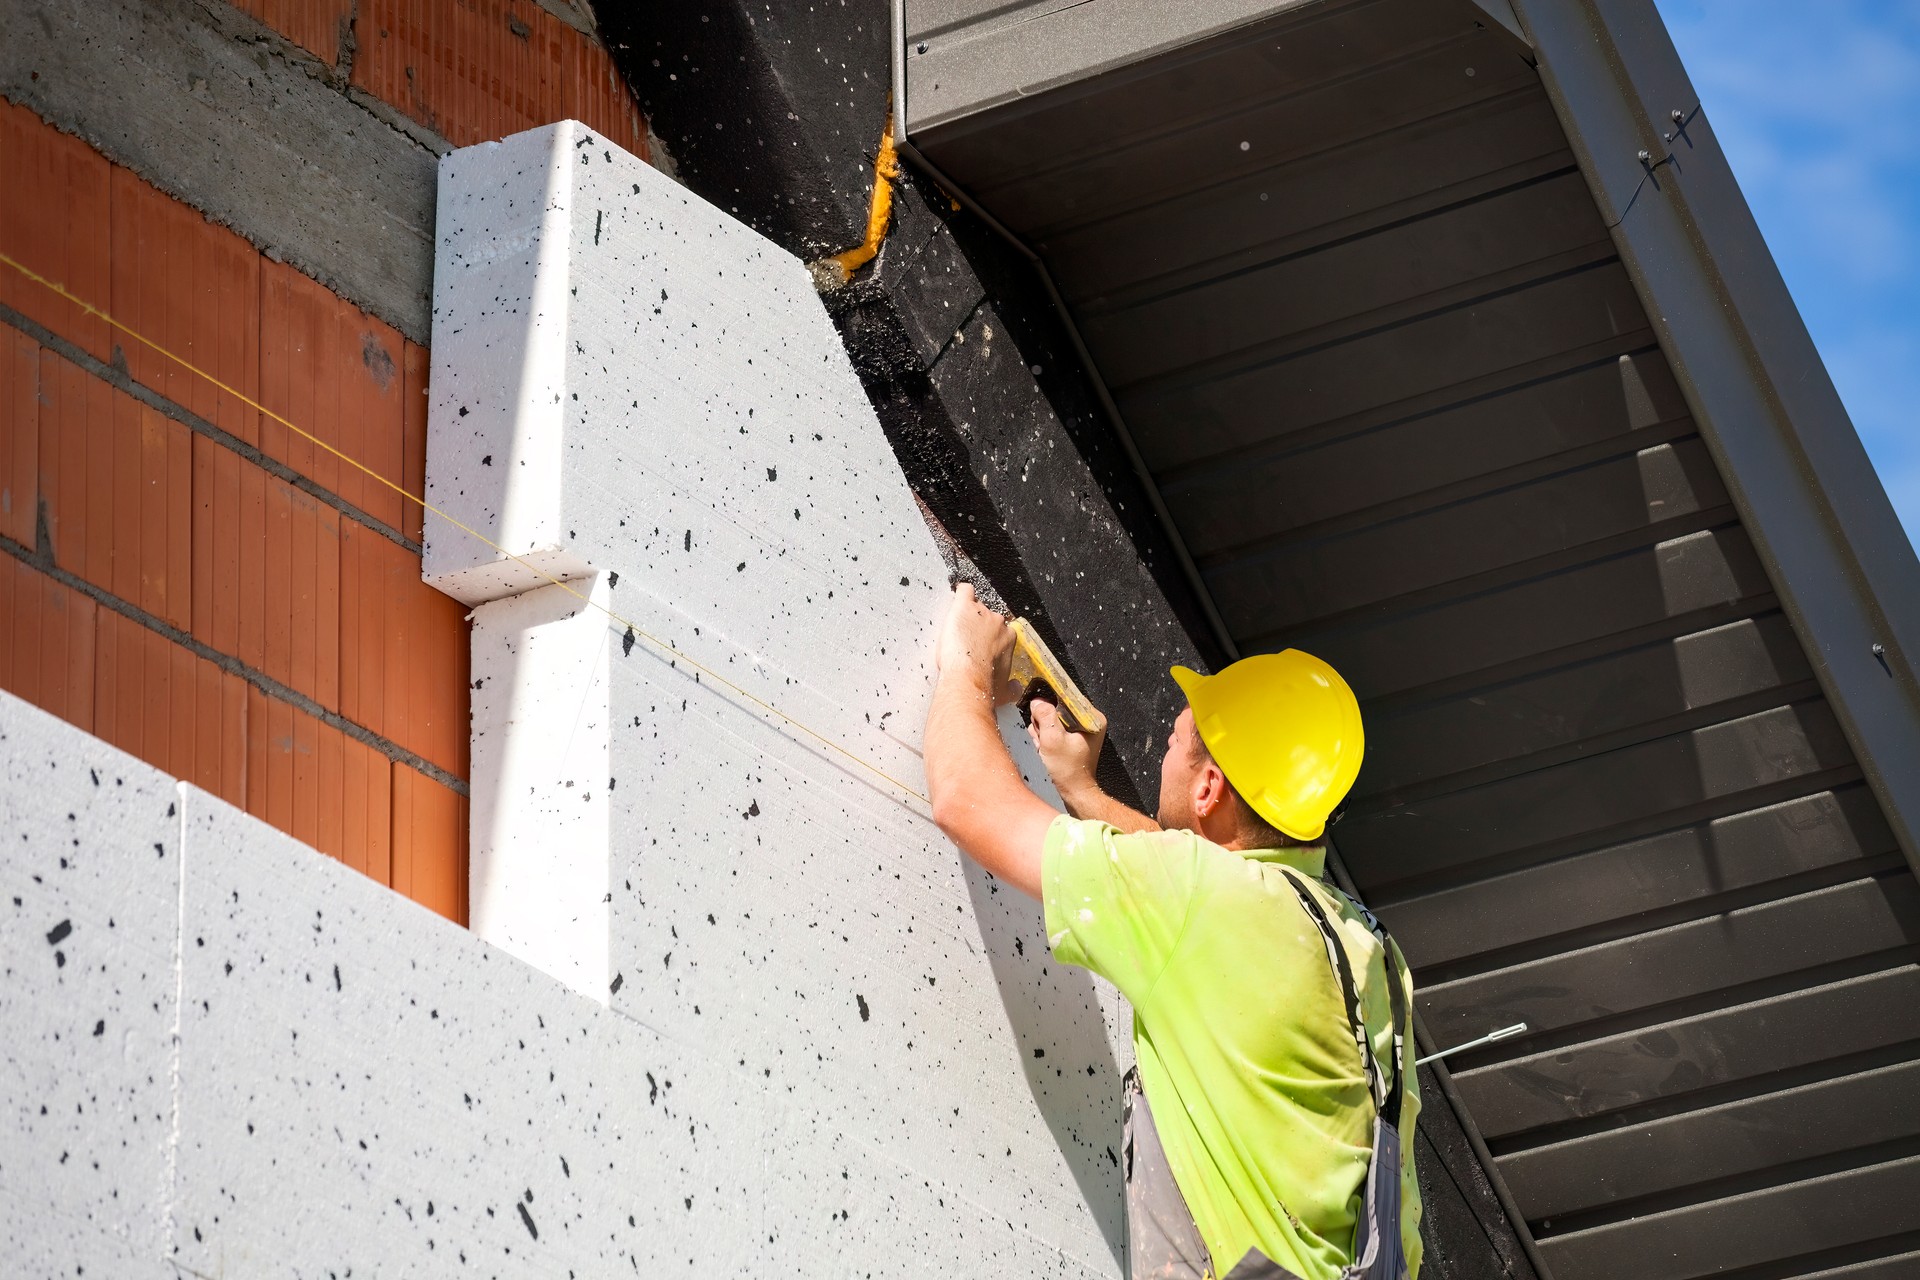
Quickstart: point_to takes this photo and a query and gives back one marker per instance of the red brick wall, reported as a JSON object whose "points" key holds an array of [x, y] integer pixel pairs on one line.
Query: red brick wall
{"points": [[186, 578], [182, 575]]}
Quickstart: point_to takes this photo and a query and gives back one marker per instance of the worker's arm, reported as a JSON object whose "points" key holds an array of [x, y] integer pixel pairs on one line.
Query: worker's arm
{"points": [[1070, 757], [978, 796]]}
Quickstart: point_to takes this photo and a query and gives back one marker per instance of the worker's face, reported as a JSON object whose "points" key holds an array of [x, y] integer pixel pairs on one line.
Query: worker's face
{"points": [[1179, 769]]}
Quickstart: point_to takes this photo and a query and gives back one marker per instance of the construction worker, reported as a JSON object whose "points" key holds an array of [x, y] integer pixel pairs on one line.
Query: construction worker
{"points": [[1252, 1149]]}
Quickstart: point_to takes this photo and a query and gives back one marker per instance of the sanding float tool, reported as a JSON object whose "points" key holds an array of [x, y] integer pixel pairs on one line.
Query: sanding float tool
{"points": [[1037, 671]]}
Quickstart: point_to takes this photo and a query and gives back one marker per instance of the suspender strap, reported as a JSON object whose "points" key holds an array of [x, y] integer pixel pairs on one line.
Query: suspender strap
{"points": [[1386, 1097], [1397, 1003]]}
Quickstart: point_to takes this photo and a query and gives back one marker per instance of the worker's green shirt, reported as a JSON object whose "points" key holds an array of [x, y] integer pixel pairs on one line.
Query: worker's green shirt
{"points": [[1246, 1053]]}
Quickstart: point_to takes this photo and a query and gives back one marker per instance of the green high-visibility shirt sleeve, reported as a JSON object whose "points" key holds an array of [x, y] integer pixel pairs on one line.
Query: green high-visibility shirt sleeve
{"points": [[1116, 903]]}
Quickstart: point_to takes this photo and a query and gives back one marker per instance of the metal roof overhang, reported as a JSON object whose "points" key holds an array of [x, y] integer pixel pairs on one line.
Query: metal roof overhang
{"points": [[1450, 350]]}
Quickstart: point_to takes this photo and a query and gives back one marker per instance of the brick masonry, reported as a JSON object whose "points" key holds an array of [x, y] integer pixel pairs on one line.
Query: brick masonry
{"points": [[184, 576]]}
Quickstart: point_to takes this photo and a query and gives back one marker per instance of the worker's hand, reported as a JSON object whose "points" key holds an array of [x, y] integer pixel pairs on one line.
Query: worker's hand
{"points": [[1068, 755], [976, 645]]}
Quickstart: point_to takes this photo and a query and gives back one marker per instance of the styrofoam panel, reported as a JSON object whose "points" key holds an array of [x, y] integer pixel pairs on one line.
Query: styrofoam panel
{"points": [[366, 1089], [701, 952], [781, 908], [857, 1205], [714, 447], [495, 418], [90, 893], [542, 748]]}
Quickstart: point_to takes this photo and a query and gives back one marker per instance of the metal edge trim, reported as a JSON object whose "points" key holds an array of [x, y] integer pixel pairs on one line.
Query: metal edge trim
{"points": [[897, 12]]}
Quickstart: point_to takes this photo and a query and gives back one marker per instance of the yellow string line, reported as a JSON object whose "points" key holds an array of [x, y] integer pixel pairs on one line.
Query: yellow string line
{"points": [[61, 290]]}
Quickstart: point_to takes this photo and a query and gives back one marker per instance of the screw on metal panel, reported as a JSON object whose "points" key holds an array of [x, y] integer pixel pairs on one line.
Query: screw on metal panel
{"points": [[1879, 650], [1646, 157], [1679, 117], [920, 48]]}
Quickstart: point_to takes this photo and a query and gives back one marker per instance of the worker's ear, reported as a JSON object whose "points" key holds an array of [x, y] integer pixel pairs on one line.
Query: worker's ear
{"points": [[1209, 789]]}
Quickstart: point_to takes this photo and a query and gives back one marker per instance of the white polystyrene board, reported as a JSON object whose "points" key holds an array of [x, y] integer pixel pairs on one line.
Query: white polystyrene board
{"points": [[776, 908], [89, 893], [542, 744], [723, 466], [901, 1080], [368, 1089], [774, 902], [717, 450], [493, 409], [855, 1203]]}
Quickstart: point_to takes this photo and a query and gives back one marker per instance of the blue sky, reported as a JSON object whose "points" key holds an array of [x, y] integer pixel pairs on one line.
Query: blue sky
{"points": [[1817, 103]]}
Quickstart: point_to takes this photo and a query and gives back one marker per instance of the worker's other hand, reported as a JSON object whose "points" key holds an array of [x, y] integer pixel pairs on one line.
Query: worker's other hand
{"points": [[976, 645], [1069, 756]]}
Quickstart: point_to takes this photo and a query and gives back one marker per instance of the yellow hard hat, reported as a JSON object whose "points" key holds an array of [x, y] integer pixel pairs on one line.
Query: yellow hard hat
{"points": [[1285, 729]]}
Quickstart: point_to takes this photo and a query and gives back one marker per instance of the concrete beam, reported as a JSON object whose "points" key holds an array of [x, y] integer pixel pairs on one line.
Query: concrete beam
{"points": [[215, 110]]}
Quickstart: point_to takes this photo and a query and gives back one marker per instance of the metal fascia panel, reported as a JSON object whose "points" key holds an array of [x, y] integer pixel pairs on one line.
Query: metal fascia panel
{"points": [[975, 68], [1793, 464]]}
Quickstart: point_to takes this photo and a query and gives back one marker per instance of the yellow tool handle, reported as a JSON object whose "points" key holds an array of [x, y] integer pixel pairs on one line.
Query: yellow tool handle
{"points": [[1034, 663]]}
